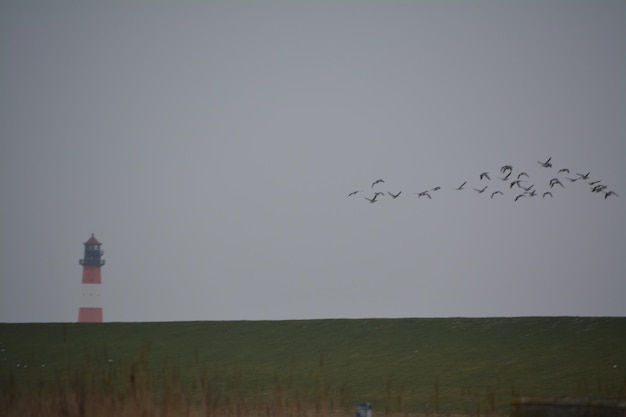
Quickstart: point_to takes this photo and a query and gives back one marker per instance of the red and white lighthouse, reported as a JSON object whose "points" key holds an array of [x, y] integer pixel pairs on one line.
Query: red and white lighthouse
{"points": [[91, 309]]}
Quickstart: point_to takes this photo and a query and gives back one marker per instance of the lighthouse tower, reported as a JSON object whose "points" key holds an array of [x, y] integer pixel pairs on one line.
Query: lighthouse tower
{"points": [[91, 310]]}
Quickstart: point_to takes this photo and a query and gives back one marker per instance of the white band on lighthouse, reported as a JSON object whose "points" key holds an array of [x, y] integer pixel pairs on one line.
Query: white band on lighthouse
{"points": [[90, 295]]}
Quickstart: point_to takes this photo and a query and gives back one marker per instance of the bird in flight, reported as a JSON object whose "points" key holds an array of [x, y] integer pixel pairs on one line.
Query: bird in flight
{"points": [[506, 168], [485, 175], [546, 164], [481, 190], [521, 195], [353, 193], [563, 170], [584, 176], [547, 193], [496, 192], [373, 199], [522, 173], [555, 181], [423, 194], [608, 193], [598, 188], [377, 182], [460, 187], [394, 196]]}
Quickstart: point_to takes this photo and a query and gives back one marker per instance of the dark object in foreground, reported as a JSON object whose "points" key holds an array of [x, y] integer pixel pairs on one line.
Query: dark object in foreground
{"points": [[364, 410]]}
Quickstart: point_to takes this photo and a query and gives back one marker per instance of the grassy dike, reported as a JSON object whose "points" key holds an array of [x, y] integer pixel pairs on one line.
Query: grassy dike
{"points": [[471, 366]]}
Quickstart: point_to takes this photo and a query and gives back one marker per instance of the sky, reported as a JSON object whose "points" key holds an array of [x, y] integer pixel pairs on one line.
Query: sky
{"points": [[211, 148]]}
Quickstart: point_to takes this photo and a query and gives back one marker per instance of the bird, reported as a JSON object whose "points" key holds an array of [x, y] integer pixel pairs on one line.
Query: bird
{"points": [[481, 190], [394, 196], [555, 181], [546, 164], [595, 182], [598, 188], [531, 193], [584, 176], [423, 194], [527, 189], [435, 188], [515, 183], [373, 199], [572, 179], [547, 193], [505, 168], [460, 187], [496, 192], [522, 173], [377, 182], [608, 193], [521, 195], [485, 175], [506, 177], [563, 170], [353, 193]]}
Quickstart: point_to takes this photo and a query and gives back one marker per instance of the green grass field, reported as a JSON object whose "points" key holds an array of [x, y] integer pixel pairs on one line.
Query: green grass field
{"points": [[402, 366]]}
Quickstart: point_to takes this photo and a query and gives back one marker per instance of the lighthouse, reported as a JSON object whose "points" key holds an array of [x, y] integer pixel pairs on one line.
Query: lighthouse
{"points": [[90, 308]]}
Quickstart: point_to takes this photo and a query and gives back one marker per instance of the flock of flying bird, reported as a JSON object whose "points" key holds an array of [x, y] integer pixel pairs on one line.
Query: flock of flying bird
{"points": [[518, 182]]}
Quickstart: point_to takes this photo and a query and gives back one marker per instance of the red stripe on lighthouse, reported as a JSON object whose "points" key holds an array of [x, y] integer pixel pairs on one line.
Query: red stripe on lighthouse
{"points": [[91, 274], [90, 315]]}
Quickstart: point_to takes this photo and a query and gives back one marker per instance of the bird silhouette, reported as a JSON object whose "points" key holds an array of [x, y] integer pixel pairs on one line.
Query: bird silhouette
{"points": [[584, 176], [520, 175], [608, 193], [353, 193], [377, 182], [423, 194], [506, 168], [394, 196], [563, 170], [496, 192], [546, 164], [521, 195], [547, 193], [481, 190], [460, 187], [598, 188], [373, 199], [555, 181], [485, 175]]}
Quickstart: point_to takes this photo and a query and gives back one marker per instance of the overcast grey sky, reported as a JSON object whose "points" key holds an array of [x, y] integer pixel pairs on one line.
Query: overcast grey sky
{"points": [[211, 146]]}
